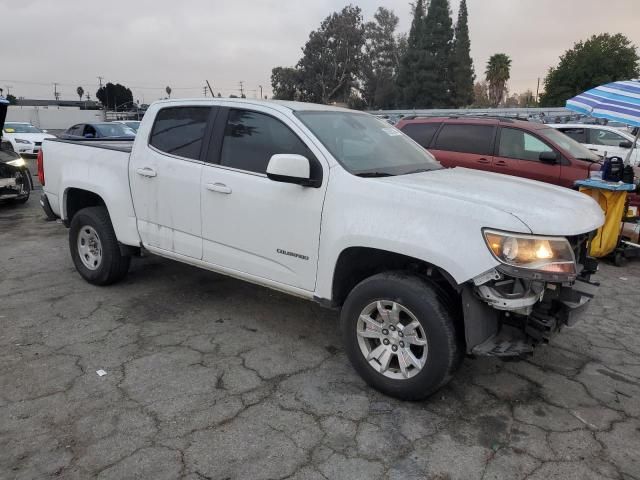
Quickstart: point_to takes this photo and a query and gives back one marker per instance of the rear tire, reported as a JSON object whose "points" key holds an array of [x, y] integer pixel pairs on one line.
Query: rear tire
{"points": [[94, 247], [406, 298]]}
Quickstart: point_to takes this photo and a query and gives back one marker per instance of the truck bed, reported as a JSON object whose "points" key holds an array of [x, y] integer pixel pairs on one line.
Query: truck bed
{"points": [[118, 144]]}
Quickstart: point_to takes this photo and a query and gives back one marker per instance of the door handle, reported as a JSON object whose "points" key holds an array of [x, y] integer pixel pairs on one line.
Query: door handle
{"points": [[218, 187], [500, 163], [484, 160], [146, 172]]}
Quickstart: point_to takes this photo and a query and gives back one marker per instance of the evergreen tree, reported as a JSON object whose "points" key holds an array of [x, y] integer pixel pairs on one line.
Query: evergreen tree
{"points": [[435, 77], [462, 74], [408, 82]]}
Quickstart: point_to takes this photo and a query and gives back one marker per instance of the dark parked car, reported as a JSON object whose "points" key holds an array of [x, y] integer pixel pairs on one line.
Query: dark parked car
{"points": [[503, 145], [83, 131], [15, 179]]}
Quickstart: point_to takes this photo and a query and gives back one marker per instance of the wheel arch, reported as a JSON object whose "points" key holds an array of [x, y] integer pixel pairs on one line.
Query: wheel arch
{"points": [[354, 264], [75, 199]]}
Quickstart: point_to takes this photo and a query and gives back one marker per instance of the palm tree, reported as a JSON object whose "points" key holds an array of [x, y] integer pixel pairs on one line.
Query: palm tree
{"points": [[80, 92], [168, 90], [497, 75]]}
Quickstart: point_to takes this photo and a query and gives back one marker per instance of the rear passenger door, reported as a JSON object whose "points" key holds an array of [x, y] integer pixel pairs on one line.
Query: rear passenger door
{"points": [[518, 154], [165, 180], [465, 145]]}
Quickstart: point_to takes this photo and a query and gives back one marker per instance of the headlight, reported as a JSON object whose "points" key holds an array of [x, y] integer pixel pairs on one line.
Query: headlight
{"points": [[18, 162], [19, 140], [547, 255]]}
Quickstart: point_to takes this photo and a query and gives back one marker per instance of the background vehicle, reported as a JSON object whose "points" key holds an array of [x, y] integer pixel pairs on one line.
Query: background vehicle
{"points": [[502, 145], [338, 207], [15, 179], [24, 137], [603, 139], [132, 124], [98, 130]]}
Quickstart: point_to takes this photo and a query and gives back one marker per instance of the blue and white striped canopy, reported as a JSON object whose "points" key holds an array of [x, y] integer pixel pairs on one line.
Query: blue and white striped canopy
{"points": [[617, 101]]}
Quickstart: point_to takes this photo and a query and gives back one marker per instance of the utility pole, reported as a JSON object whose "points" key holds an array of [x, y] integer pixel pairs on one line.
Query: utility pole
{"points": [[56, 94], [9, 87], [204, 90], [260, 92], [210, 89], [538, 90], [241, 88]]}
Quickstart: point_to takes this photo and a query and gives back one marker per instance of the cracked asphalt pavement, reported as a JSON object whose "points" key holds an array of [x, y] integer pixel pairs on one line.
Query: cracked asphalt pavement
{"points": [[212, 378]]}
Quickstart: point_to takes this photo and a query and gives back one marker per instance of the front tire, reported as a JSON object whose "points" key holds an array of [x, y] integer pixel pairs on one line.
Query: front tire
{"points": [[400, 335], [94, 247]]}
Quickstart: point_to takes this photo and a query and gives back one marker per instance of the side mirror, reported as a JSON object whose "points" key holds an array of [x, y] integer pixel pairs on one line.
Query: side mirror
{"points": [[549, 157], [290, 168], [625, 144]]}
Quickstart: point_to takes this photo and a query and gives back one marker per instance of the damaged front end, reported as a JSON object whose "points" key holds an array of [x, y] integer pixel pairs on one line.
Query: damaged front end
{"points": [[508, 311]]}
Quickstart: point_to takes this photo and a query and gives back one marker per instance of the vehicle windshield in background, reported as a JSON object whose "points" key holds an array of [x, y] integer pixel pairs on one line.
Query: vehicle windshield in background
{"points": [[577, 150], [20, 128], [365, 145], [133, 125], [114, 130]]}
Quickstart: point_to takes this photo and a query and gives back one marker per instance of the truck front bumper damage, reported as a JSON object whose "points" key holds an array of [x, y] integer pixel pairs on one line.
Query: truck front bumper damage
{"points": [[507, 317]]}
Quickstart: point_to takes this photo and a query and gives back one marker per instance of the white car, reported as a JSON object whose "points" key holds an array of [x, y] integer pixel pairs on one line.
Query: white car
{"points": [[132, 124], [425, 263], [24, 137], [604, 140]]}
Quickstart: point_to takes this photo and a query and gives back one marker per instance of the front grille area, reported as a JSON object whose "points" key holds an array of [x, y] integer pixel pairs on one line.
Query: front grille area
{"points": [[580, 246], [38, 144]]}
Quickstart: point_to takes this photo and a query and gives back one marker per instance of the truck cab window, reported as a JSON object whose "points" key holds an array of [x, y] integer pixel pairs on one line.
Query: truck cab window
{"points": [[252, 138], [179, 130]]}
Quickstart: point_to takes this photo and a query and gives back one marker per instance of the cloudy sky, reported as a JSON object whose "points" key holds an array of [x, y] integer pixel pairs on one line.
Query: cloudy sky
{"points": [[148, 44]]}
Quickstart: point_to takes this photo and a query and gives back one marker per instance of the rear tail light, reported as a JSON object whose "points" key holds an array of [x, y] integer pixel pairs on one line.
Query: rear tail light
{"points": [[41, 168]]}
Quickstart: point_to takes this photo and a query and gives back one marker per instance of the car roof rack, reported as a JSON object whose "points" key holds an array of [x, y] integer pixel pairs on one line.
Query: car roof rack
{"points": [[480, 116]]}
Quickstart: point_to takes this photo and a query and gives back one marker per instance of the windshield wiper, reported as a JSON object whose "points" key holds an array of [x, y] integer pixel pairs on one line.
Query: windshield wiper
{"points": [[373, 174]]}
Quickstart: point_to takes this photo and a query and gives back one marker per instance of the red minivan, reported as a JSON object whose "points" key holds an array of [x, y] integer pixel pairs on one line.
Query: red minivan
{"points": [[504, 145]]}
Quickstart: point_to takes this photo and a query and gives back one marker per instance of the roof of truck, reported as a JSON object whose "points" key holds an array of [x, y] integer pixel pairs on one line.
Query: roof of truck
{"points": [[280, 104]]}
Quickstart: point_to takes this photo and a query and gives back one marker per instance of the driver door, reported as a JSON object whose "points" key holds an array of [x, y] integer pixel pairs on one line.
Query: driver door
{"points": [[251, 224]]}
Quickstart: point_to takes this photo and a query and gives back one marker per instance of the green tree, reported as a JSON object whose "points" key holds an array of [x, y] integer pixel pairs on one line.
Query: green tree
{"points": [[12, 99], [462, 74], [481, 95], [438, 48], [410, 64], [112, 95], [168, 90], [497, 75], [80, 92], [285, 83], [601, 59], [332, 57], [381, 60]]}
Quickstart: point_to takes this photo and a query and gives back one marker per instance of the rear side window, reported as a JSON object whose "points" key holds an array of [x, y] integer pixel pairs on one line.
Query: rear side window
{"points": [[252, 138], [179, 130], [422, 133], [578, 134], [476, 139]]}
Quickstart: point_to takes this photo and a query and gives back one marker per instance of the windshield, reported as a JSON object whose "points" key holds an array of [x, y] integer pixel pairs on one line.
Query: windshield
{"points": [[20, 128], [577, 150], [114, 130], [364, 144], [132, 125]]}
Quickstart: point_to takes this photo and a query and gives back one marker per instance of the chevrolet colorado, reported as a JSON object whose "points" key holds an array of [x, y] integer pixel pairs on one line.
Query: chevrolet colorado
{"points": [[426, 264]]}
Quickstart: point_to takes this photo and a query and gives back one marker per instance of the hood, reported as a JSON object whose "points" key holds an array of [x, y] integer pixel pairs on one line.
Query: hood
{"points": [[545, 209]]}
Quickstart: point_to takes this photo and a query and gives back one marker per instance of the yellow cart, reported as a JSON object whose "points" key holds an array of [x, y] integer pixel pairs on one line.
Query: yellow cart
{"points": [[612, 197]]}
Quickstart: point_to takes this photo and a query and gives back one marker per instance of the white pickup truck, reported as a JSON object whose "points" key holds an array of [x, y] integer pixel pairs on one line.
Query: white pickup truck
{"points": [[426, 264]]}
